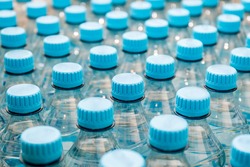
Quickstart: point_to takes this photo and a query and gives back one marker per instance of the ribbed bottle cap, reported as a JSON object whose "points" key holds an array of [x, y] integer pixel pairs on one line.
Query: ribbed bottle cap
{"points": [[23, 98], [91, 32], [246, 4], [75, 14], [160, 67], [248, 40], [157, 4], [240, 59], [140, 10], [6, 4], [95, 113], [233, 8], [119, 2], [56, 45], [210, 3], [178, 17], [18, 61], [240, 151], [41, 145], [206, 34], [156, 28], [194, 7], [168, 132], [47, 25], [36, 9], [7, 18], [192, 102], [117, 20], [13, 37], [189, 49], [101, 6], [60, 4], [127, 87], [221, 77], [103, 57], [122, 158], [67, 75], [135, 41], [228, 23]]}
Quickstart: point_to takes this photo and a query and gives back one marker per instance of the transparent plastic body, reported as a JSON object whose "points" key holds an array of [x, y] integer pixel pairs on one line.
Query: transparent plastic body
{"points": [[210, 56], [158, 47]]}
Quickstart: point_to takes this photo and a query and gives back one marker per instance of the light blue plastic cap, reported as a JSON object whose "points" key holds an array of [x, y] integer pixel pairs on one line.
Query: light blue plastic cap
{"points": [[18, 61], [56, 46], [95, 113], [122, 158], [206, 34], [75, 14], [127, 87], [117, 20], [103, 57], [233, 8], [60, 4], [240, 59], [192, 102], [157, 4], [91, 32], [36, 9], [228, 23], [7, 18], [23, 98], [41, 145], [13, 37], [101, 6], [156, 28], [67, 75], [189, 49], [168, 132], [246, 4], [140, 10], [135, 42], [47, 25], [248, 40], [194, 7], [6, 4], [119, 2], [240, 151], [221, 77], [178, 17], [160, 67], [210, 3]]}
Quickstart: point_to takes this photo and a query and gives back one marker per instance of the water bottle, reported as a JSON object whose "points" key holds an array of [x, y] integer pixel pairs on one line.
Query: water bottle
{"points": [[119, 2], [226, 120], [160, 91], [95, 121], [210, 12], [195, 10], [168, 138], [131, 127], [204, 149]]}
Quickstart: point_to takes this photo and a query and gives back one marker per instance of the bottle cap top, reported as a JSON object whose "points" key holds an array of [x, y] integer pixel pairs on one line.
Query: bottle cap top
{"points": [[228, 23], [7, 18], [248, 40], [60, 4], [140, 10], [75, 14], [36, 9], [157, 4], [6, 4], [101, 6], [156, 28], [135, 41], [178, 17], [47, 25], [240, 59], [246, 4], [194, 7], [210, 3], [206, 34], [91, 32], [234, 8], [13, 37], [117, 20]]}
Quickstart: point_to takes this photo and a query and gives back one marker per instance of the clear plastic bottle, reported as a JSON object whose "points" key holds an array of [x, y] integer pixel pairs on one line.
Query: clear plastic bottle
{"points": [[95, 121], [195, 9], [210, 12], [204, 149]]}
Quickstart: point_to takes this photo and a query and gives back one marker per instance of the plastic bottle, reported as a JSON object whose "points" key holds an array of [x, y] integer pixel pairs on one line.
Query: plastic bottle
{"points": [[195, 9], [246, 21], [210, 12]]}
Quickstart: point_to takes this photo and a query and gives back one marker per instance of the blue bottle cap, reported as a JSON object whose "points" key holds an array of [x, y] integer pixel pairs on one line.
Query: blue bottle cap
{"points": [[18, 61], [240, 151], [6, 4], [122, 158], [56, 45], [157, 4], [60, 4], [140, 10], [91, 32], [178, 17], [47, 25], [41, 145], [248, 40], [95, 113], [240, 59], [168, 132], [233, 8], [67, 75], [228, 23], [101, 6], [75, 14], [13, 37], [119, 2], [135, 42], [127, 87], [210, 3], [160, 67], [189, 49], [7, 18], [206, 34], [221, 77], [156, 28], [194, 7], [23, 98], [117, 20], [103, 57], [36, 9], [192, 102], [246, 4]]}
